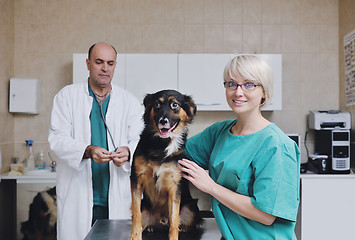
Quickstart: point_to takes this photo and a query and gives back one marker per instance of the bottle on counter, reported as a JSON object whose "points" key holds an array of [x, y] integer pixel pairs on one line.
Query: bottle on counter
{"points": [[40, 162], [30, 159]]}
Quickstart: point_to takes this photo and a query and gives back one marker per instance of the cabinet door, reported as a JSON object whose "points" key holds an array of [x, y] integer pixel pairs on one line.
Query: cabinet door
{"points": [[201, 76], [327, 208], [275, 63], [81, 73], [149, 73]]}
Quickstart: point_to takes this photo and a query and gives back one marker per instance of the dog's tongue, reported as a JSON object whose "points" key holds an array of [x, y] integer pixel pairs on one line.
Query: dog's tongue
{"points": [[164, 132]]}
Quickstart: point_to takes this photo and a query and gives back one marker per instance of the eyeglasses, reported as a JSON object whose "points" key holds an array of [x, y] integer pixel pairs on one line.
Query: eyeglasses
{"points": [[247, 87]]}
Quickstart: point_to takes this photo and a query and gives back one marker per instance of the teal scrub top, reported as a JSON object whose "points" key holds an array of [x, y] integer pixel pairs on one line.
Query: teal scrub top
{"points": [[100, 171], [264, 165]]}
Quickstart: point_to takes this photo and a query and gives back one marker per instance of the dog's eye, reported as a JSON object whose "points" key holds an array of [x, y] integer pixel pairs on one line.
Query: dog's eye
{"points": [[174, 105], [157, 105]]}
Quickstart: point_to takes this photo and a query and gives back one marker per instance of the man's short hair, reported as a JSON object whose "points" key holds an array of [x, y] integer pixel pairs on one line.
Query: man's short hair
{"points": [[90, 50]]}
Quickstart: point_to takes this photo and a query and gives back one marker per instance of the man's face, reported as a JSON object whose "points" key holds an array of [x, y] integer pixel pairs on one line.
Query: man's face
{"points": [[101, 65]]}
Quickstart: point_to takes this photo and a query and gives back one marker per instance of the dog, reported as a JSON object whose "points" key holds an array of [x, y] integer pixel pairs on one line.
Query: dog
{"points": [[156, 174], [42, 220]]}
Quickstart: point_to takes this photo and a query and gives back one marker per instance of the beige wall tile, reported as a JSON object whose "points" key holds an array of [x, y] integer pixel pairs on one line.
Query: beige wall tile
{"points": [[156, 14], [213, 11], [291, 12], [193, 11], [213, 38], [271, 38], [310, 68], [252, 11], [154, 35], [233, 11], [291, 96], [174, 12], [329, 13], [328, 67], [328, 38], [291, 38], [252, 38], [291, 68], [233, 38], [310, 10], [271, 11], [193, 38], [310, 38], [174, 37]]}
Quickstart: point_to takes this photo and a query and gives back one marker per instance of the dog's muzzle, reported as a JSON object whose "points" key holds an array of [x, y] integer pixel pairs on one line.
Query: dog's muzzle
{"points": [[165, 129]]}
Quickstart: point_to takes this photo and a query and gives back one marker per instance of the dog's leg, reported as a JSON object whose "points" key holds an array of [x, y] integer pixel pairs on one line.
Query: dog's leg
{"points": [[174, 214], [136, 233]]}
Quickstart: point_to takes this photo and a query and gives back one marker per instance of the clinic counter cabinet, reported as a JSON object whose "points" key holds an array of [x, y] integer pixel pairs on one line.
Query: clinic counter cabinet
{"points": [[41, 178], [327, 207], [105, 229], [8, 199]]}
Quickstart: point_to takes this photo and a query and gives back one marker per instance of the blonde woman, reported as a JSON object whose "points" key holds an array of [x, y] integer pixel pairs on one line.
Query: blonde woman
{"points": [[253, 166]]}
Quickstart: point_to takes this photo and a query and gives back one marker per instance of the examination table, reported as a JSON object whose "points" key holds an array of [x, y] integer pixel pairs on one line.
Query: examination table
{"points": [[105, 229]]}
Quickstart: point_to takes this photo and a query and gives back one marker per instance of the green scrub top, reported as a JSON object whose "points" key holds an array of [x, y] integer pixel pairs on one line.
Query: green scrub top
{"points": [[100, 171], [264, 165]]}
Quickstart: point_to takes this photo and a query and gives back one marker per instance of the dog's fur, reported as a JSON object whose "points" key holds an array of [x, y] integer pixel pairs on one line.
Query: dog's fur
{"points": [[42, 220], [156, 174]]}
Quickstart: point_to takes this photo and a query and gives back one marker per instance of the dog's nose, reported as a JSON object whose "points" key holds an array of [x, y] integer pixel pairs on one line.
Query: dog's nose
{"points": [[163, 121]]}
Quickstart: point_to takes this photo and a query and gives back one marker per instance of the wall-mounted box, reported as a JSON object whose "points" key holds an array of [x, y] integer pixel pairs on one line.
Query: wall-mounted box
{"points": [[24, 95]]}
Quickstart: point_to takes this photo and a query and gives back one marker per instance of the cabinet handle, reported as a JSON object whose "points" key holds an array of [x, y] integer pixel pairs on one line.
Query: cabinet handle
{"points": [[208, 104]]}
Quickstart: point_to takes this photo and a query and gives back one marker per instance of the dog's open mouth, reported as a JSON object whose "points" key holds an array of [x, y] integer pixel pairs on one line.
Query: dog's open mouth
{"points": [[165, 132]]}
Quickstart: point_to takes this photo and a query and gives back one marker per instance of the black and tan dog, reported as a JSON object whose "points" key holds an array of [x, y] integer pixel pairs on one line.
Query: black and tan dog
{"points": [[167, 202], [42, 220]]}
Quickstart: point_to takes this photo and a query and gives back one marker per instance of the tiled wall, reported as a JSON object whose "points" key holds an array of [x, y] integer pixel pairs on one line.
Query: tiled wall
{"points": [[305, 32], [346, 25], [6, 71]]}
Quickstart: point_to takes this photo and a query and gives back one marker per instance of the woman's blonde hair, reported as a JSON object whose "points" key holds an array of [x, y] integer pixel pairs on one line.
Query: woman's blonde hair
{"points": [[253, 69]]}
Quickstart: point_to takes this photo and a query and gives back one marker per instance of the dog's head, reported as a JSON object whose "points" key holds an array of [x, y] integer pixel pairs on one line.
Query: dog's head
{"points": [[168, 112]]}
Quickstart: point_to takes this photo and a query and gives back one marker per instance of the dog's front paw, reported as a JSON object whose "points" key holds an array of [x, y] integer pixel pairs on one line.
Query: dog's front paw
{"points": [[136, 236], [173, 234]]}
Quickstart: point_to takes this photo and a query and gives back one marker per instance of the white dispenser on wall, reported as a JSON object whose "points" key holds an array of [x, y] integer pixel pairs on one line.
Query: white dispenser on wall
{"points": [[24, 95]]}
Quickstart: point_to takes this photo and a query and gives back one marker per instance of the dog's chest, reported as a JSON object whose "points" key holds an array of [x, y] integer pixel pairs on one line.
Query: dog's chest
{"points": [[162, 177]]}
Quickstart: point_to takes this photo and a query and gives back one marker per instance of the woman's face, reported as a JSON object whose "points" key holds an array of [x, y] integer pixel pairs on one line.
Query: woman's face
{"points": [[242, 101]]}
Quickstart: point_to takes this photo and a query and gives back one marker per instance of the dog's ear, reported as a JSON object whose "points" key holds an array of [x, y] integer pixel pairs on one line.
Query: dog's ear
{"points": [[191, 106], [147, 100]]}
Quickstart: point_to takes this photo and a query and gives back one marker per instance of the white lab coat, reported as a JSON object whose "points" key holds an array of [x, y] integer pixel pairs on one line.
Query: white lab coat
{"points": [[69, 135]]}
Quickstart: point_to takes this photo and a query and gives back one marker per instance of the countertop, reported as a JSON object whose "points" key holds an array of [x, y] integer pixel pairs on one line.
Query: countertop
{"points": [[310, 174], [105, 229], [47, 177]]}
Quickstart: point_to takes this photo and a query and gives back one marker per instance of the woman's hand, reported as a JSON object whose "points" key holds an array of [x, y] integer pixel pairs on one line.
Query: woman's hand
{"points": [[197, 175]]}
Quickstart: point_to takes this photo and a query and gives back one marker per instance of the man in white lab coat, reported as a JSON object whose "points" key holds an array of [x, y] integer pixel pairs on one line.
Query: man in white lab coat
{"points": [[95, 127]]}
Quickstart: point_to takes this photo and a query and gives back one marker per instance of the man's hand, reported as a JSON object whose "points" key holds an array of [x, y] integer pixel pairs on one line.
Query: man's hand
{"points": [[120, 156], [98, 154]]}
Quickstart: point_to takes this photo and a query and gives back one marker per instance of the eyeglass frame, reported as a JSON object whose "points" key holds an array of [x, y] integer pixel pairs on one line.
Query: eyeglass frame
{"points": [[242, 86]]}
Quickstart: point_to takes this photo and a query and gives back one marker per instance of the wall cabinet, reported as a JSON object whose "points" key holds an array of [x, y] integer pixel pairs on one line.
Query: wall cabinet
{"points": [[201, 76], [149, 73], [327, 207], [198, 75]]}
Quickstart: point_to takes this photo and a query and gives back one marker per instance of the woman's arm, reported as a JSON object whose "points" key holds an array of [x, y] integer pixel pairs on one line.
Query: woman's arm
{"points": [[236, 202]]}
